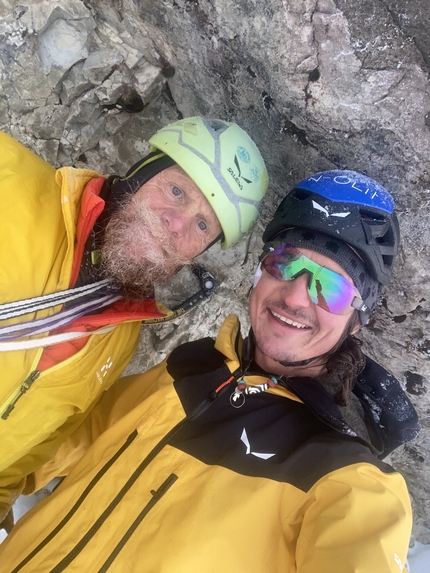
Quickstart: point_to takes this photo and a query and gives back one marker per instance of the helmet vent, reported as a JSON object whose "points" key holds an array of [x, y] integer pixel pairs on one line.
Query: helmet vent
{"points": [[370, 216], [388, 260], [217, 125], [301, 194], [386, 237]]}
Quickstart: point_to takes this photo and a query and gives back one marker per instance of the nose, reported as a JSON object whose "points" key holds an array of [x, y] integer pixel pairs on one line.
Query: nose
{"points": [[295, 292], [177, 223]]}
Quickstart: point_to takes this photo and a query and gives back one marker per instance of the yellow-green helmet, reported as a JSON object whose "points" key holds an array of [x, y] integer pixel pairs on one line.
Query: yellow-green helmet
{"points": [[224, 163]]}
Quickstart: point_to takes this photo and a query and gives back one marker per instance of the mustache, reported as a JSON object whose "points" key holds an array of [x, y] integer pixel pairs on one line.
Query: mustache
{"points": [[297, 313], [138, 251], [138, 212]]}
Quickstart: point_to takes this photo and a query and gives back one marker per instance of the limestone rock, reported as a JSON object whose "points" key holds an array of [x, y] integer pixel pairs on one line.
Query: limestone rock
{"points": [[100, 64], [319, 84], [62, 44], [47, 122]]}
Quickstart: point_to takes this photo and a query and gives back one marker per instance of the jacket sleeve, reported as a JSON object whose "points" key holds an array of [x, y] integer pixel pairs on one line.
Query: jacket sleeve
{"points": [[118, 401], [356, 519], [16, 478]]}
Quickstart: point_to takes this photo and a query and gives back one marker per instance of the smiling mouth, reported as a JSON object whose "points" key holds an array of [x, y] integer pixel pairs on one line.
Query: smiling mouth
{"points": [[288, 321]]}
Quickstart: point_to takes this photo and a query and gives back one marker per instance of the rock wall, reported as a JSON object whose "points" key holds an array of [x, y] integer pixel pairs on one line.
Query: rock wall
{"points": [[320, 84]]}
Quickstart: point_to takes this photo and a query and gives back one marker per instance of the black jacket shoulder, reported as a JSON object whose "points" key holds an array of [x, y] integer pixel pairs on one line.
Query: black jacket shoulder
{"points": [[387, 404]]}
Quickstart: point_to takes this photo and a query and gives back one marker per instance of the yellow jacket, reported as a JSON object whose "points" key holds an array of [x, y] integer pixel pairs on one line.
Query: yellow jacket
{"points": [[39, 209], [173, 477]]}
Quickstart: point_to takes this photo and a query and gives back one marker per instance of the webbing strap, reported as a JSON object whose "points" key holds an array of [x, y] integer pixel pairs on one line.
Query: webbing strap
{"points": [[9, 334], [29, 305], [50, 340], [62, 318]]}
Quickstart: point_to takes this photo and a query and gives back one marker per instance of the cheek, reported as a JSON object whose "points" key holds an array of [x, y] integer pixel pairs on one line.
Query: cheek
{"points": [[332, 326], [266, 287], [189, 246], [154, 194], [255, 303]]}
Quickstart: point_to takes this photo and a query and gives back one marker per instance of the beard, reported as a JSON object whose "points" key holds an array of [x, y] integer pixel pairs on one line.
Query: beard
{"points": [[137, 250]]}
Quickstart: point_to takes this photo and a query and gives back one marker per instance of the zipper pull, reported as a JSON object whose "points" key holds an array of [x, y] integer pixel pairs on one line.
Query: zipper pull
{"points": [[24, 386], [233, 378]]}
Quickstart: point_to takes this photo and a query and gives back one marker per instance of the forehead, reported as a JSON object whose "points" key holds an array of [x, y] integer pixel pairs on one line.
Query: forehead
{"points": [[175, 175], [324, 261]]}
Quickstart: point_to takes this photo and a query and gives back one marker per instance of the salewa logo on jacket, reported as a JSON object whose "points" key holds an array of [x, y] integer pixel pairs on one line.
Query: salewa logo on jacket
{"points": [[245, 440], [104, 370]]}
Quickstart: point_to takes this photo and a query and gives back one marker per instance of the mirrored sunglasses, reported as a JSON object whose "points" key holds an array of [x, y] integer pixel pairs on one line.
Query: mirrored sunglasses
{"points": [[329, 290]]}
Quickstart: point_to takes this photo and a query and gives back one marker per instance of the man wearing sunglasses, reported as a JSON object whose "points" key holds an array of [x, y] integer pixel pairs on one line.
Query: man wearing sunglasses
{"points": [[80, 256], [263, 454]]}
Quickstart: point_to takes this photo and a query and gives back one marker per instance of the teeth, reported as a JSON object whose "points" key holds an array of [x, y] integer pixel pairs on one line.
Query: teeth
{"points": [[288, 321]]}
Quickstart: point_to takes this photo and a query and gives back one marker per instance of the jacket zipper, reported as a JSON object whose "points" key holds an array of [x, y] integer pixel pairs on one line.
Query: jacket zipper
{"points": [[201, 408], [10, 404]]}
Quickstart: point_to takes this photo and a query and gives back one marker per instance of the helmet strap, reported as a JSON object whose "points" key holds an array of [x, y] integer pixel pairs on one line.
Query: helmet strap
{"points": [[219, 238]]}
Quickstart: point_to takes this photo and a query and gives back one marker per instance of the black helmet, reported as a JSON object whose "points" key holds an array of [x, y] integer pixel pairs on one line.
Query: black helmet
{"points": [[349, 207]]}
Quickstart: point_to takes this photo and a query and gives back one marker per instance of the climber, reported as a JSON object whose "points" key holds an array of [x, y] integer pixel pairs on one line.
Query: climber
{"points": [[81, 254]]}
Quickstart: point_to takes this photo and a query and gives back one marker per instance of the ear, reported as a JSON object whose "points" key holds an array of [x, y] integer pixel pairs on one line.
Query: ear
{"points": [[355, 329]]}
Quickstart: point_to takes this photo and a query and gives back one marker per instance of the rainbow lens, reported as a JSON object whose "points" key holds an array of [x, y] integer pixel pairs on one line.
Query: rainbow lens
{"points": [[329, 290]]}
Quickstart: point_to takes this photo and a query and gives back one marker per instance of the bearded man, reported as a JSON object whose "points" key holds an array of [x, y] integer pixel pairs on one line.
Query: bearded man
{"points": [[81, 254], [263, 454]]}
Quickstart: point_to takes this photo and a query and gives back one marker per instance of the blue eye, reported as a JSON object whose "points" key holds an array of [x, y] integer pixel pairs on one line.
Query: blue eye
{"points": [[176, 191], [202, 225]]}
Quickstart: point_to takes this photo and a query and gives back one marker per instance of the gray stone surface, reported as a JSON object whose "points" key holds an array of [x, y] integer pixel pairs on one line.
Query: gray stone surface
{"points": [[320, 84]]}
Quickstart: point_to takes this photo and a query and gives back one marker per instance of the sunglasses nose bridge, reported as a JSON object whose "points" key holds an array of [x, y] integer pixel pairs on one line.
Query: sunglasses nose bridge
{"points": [[305, 271]]}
